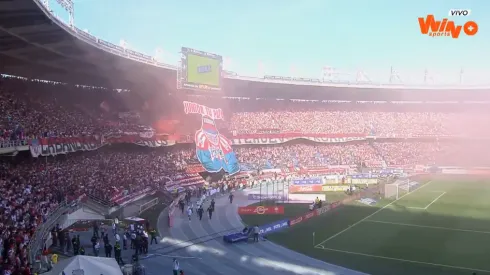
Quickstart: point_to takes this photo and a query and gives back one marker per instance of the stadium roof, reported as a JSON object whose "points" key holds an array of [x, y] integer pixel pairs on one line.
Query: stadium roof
{"points": [[36, 44]]}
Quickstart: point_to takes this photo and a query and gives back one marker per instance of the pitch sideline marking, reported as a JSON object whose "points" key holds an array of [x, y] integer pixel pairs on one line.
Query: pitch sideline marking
{"points": [[370, 215], [427, 206], [404, 260], [430, 227], [435, 200]]}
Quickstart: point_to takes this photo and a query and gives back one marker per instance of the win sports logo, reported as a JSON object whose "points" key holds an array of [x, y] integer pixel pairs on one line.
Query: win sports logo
{"points": [[430, 26]]}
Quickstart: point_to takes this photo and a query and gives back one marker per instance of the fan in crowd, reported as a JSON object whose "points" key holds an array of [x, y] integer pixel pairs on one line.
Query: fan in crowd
{"points": [[39, 109], [334, 118], [33, 188], [33, 109]]}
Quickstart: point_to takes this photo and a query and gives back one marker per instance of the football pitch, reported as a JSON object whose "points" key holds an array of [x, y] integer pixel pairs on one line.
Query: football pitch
{"points": [[443, 227]]}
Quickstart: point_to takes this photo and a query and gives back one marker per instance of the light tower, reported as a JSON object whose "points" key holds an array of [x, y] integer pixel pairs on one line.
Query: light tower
{"points": [[68, 5], [362, 77], [394, 76]]}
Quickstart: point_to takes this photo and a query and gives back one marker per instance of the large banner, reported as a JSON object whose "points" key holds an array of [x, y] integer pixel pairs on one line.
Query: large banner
{"points": [[266, 139], [142, 139], [261, 210], [175, 185], [55, 146], [278, 140], [213, 150]]}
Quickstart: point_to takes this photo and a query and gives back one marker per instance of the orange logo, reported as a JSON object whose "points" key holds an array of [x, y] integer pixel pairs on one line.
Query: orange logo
{"points": [[260, 210], [435, 28]]}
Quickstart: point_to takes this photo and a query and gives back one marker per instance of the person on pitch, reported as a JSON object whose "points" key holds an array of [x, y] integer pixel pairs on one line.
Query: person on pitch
{"points": [[210, 212], [200, 211]]}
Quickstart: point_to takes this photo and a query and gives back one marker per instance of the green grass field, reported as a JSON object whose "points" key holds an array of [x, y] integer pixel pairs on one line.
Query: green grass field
{"points": [[443, 227]]}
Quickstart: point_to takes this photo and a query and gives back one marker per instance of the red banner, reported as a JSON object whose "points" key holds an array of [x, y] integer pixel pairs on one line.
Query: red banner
{"points": [[194, 168], [303, 218], [261, 210], [305, 188], [299, 135]]}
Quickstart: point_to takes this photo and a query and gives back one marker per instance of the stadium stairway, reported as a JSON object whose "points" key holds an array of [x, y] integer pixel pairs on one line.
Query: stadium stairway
{"points": [[97, 206], [201, 250]]}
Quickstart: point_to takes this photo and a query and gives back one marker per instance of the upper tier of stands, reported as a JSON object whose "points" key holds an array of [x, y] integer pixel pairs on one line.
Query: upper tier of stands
{"points": [[38, 109]]}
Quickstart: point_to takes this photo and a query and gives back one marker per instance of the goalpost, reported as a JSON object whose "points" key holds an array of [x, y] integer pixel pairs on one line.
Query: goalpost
{"points": [[399, 188]]}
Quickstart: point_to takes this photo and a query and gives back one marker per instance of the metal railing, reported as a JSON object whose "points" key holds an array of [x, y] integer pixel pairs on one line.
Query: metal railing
{"points": [[101, 202], [13, 143], [36, 243]]}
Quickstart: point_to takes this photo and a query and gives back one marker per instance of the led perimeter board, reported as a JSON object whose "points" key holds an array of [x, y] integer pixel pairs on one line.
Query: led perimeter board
{"points": [[200, 70]]}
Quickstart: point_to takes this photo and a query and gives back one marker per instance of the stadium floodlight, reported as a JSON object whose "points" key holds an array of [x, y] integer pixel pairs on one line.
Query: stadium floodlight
{"points": [[394, 76], [123, 43], [399, 188], [361, 77], [68, 5], [158, 54]]}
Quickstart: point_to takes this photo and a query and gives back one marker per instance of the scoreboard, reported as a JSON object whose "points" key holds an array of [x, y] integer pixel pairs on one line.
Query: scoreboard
{"points": [[200, 70]]}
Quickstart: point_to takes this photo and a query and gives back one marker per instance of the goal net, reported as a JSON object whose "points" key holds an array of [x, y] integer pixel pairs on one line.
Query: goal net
{"points": [[399, 188]]}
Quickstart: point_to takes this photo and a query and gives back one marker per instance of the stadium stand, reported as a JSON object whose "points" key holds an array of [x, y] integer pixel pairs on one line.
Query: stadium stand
{"points": [[395, 134], [46, 110]]}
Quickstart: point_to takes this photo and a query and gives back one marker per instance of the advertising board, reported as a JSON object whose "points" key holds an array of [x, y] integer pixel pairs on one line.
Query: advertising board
{"points": [[302, 218], [335, 188], [363, 181], [306, 197], [273, 227], [305, 188], [332, 181], [309, 181], [257, 197], [261, 210]]}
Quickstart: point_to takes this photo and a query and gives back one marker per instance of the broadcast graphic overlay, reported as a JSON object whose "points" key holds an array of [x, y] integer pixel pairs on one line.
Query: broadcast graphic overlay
{"points": [[213, 149], [200, 70]]}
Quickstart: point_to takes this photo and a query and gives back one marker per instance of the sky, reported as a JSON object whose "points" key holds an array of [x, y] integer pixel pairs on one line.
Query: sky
{"points": [[300, 38]]}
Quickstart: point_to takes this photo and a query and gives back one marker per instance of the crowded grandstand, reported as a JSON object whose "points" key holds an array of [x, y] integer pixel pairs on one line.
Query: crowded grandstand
{"points": [[388, 139], [69, 137]]}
